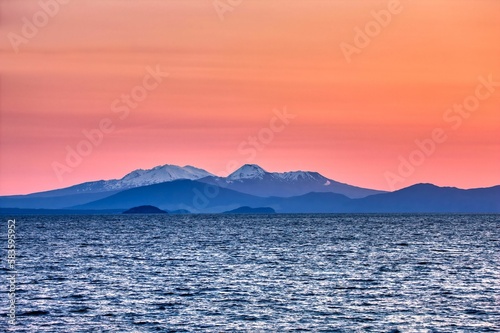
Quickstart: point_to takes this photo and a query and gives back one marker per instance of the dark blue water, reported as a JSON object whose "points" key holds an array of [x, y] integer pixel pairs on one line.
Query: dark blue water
{"points": [[283, 273]]}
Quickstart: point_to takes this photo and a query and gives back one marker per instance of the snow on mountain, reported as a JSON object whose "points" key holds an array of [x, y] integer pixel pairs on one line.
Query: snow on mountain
{"points": [[252, 179], [161, 174], [298, 175], [248, 171], [140, 177], [253, 171]]}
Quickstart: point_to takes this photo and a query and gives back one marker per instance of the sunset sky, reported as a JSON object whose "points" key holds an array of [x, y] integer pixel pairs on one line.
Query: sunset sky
{"points": [[230, 71]]}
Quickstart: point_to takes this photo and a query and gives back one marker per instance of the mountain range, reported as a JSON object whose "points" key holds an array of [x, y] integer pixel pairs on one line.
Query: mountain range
{"points": [[171, 188]]}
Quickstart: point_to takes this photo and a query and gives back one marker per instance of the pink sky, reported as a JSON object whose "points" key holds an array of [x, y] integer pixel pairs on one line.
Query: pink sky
{"points": [[353, 119]]}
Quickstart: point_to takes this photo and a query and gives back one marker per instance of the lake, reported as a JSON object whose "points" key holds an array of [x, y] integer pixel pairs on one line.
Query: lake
{"points": [[254, 273]]}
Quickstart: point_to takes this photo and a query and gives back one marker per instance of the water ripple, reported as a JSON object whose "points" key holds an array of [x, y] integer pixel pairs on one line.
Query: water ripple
{"points": [[279, 273]]}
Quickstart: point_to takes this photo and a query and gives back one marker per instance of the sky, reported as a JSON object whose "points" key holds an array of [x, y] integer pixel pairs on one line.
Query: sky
{"points": [[378, 94]]}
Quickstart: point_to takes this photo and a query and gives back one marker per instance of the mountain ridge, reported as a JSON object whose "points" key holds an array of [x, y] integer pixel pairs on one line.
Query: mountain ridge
{"points": [[253, 179]]}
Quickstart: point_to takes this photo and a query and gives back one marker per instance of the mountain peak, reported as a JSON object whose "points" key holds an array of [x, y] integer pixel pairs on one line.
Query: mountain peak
{"points": [[161, 173], [248, 171]]}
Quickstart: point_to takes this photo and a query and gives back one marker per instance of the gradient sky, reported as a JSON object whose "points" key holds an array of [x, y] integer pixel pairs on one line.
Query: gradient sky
{"points": [[353, 119]]}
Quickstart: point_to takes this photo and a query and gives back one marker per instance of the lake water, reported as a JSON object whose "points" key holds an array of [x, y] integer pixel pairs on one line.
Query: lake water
{"points": [[279, 273]]}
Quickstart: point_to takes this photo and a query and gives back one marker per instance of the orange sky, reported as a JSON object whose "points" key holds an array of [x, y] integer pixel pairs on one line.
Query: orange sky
{"points": [[353, 119]]}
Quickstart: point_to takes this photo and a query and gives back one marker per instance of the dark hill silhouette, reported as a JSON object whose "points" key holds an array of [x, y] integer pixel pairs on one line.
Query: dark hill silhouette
{"points": [[145, 210], [250, 210]]}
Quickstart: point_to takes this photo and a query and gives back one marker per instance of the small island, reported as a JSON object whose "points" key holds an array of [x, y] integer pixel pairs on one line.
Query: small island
{"points": [[145, 210], [250, 210]]}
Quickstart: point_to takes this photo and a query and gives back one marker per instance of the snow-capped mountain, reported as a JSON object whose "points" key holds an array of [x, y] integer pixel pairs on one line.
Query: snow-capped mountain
{"points": [[89, 191], [140, 177], [159, 174], [253, 171], [248, 171], [136, 178], [252, 179]]}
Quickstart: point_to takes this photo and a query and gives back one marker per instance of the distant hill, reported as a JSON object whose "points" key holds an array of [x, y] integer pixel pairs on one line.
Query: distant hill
{"points": [[145, 210], [311, 203], [428, 198], [58, 201], [249, 210]]}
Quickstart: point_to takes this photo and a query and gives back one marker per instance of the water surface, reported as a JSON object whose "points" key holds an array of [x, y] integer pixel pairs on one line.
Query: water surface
{"points": [[277, 273]]}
